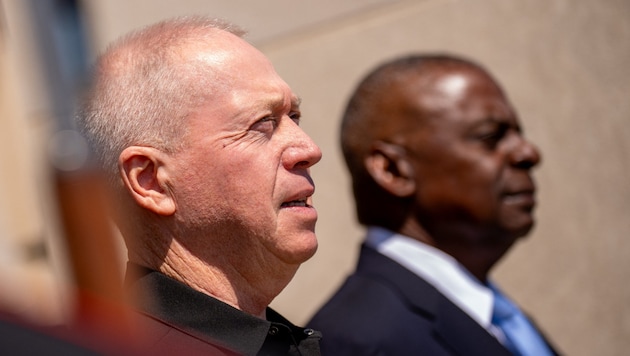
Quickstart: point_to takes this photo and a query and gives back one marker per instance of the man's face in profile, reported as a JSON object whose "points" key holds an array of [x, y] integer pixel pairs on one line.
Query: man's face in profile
{"points": [[472, 161], [243, 181]]}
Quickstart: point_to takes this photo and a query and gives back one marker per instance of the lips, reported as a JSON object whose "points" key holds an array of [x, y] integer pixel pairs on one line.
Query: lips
{"points": [[521, 191], [301, 199], [299, 202], [523, 197]]}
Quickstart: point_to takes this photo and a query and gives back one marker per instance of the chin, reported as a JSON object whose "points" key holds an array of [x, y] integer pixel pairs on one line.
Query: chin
{"points": [[521, 230], [304, 248], [517, 224]]}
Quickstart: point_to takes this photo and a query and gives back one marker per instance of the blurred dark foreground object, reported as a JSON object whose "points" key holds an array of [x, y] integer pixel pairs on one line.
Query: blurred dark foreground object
{"points": [[18, 337]]}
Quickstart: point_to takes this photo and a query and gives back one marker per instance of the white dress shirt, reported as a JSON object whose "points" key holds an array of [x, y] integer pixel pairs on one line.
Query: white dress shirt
{"points": [[440, 270]]}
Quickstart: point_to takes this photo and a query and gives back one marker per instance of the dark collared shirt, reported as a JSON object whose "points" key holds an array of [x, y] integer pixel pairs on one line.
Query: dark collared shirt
{"points": [[212, 321]]}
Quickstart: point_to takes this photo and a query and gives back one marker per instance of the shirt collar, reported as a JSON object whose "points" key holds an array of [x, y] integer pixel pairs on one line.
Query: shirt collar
{"points": [[437, 268], [210, 319]]}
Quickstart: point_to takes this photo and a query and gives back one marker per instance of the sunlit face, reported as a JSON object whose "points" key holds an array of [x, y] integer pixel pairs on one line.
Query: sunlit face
{"points": [[243, 181], [472, 161]]}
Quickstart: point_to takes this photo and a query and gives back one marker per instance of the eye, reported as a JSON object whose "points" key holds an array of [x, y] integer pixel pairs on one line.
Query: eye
{"points": [[295, 116], [491, 136], [266, 124]]}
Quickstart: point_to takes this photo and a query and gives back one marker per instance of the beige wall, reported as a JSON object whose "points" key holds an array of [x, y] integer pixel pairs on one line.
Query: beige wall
{"points": [[565, 64]]}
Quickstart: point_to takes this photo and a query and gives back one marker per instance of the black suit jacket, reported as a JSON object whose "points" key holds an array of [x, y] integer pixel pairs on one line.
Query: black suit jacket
{"points": [[384, 309]]}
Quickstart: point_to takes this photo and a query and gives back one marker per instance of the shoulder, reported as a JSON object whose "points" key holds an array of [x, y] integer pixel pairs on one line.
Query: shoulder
{"points": [[379, 288], [368, 317], [381, 309]]}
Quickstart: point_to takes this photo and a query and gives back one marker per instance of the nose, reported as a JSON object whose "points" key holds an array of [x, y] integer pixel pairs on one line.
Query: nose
{"points": [[302, 152], [525, 154]]}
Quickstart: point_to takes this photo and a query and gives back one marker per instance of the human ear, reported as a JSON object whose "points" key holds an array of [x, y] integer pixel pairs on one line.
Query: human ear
{"points": [[390, 168], [144, 175]]}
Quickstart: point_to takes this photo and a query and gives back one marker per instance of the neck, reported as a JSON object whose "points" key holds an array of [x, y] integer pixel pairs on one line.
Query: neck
{"points": [[478, 254], [478, 260], [247, 287]]}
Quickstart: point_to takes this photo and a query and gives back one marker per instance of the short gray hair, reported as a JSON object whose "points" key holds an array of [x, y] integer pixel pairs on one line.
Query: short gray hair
{"points": [[142, 89]]}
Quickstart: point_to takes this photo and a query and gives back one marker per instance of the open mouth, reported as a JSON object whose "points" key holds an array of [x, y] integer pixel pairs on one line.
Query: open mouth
{"points": [[298, 202]]}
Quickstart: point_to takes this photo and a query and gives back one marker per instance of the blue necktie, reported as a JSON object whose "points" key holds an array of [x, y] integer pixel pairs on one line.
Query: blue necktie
{"points": [[522, 338]]}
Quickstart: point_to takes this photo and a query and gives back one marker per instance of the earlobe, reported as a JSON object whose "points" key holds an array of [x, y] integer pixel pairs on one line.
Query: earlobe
{"points": [[390, 168], [143, 173]]}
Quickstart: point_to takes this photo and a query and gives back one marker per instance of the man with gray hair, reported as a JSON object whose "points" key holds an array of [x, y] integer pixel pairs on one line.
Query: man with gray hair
{"points": [[200, 140]]}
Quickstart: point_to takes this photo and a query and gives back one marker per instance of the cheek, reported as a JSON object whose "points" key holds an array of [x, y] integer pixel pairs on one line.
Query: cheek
{"points": [[200, 185], [462, 187], [243, 193], [237, 181], [481, 186]]}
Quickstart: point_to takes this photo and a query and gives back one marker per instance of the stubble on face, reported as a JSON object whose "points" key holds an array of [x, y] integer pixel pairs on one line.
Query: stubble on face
{"points": [[233, 181]]}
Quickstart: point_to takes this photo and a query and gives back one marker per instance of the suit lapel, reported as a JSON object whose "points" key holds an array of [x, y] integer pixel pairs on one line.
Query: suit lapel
{"points": [[463, 334], [451, 325]]}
